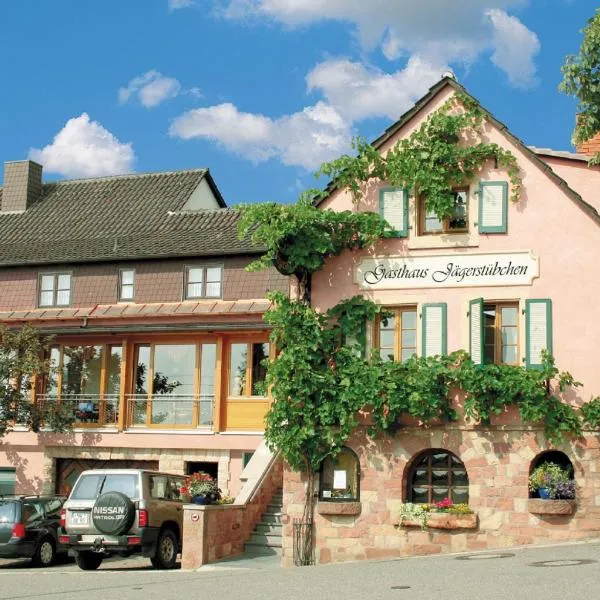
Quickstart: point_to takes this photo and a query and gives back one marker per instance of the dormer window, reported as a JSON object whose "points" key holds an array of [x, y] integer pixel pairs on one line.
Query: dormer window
{"points": [[126, 285], [457, 222], [203, 282], [55, 289]]}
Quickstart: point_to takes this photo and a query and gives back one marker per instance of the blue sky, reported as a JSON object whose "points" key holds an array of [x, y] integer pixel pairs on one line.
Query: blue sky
{"points": [[262, 91]]}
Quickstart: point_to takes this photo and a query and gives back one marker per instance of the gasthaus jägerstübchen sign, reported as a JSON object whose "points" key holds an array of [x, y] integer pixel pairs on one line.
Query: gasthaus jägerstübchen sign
{"points": [[459, 270]]}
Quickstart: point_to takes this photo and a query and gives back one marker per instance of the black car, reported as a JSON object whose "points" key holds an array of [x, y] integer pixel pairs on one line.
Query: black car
{"points": [[29, 528]]}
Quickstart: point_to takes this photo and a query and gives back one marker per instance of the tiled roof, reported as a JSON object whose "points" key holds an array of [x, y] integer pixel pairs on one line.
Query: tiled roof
{"points": [[118, 218], [560, 153], [130, 311]]}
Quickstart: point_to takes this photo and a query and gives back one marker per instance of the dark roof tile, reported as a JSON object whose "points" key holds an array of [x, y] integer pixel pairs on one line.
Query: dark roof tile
{"points": [[119, 218]]}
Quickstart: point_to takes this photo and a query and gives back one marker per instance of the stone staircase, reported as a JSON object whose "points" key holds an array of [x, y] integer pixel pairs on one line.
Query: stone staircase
{"points": [[266, 539]]}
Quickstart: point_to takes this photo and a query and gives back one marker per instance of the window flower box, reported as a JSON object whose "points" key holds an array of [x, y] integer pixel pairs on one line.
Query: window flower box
{"points": [[538, 506], [444, 521]]}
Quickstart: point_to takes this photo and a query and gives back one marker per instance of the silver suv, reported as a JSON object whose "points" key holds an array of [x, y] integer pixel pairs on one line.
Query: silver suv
{"points": [[123, 512]]}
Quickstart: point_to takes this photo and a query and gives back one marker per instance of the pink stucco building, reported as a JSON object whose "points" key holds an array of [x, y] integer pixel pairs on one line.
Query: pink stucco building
{"points": [[503, 280]]}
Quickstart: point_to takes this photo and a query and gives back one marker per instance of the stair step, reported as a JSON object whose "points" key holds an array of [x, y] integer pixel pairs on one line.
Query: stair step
{"points": [[271, 519], [269, 529], [272, 509], [251, 549]]}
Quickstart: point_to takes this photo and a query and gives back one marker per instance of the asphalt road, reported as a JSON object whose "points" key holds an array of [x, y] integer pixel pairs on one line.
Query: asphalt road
{"points": [[558, 572]]}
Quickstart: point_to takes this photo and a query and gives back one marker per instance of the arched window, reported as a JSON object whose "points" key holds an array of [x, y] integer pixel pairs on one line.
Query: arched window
{"points": [[554, 484], [340, 477], [435, 475]]}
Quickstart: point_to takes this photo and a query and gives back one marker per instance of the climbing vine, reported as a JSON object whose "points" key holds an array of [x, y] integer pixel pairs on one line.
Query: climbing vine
{"points": [[445, 152]]}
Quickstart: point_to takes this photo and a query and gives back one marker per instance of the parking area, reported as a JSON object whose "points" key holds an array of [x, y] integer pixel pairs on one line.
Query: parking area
{"points": [[66, 564]]}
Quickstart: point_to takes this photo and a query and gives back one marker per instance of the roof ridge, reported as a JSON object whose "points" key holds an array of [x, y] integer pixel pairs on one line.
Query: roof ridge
{"points": [[203, 170]]}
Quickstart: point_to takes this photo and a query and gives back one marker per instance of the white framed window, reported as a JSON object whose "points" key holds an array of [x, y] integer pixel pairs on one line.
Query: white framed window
{"points": [[126, 285], [55, 289], [203, 282]]}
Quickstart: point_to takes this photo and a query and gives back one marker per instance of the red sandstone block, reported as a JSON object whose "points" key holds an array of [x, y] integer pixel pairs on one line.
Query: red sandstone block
{"points": [[325, 555], [476, 545], [588, 524], [382, 553], [427, 549]]}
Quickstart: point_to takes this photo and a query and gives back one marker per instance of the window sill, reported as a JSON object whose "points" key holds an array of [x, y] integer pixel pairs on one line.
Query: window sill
{"points": [[551, 507], [444, 521], [444, 240], [339, 508]]}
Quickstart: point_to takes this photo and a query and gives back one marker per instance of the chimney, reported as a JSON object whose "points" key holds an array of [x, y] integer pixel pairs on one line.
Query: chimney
{"points": [[22, 185], [590, 147]]}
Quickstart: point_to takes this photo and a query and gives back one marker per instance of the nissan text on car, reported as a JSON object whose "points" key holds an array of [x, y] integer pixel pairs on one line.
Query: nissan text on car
{"points": [[123, 512]]}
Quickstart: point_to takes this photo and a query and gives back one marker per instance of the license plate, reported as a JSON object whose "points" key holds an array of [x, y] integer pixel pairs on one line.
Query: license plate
{"points": [[80, 518]]}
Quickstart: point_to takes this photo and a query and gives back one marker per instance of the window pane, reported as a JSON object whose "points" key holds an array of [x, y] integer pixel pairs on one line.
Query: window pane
{"points": [[409, 319], [52, 380], [113, 372], [339, 478], [47, 283], [409, 339], [8, 479], [439, 493], [459, 477], [142, 370], [439, 478], [126, 292], [64, 281], [439, 459], [458, 220], [86, 487], [509, 336], [509, 354], [93, 356], [123, 483], [207, 383], [127, 277], [63, 298], [386, 338], [213, 274], [72, 372], [174, 375], [194, 290], [420, 495], [46, 298], [420, 477], [432, 223], [509, 315], [460, 495], [386, 354], [195, 275], [213, 290], [237, 369], [260, 352]]}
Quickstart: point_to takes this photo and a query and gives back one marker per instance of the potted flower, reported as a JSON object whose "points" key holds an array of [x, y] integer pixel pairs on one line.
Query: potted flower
{"points": [[545, 479], [202, 488]]}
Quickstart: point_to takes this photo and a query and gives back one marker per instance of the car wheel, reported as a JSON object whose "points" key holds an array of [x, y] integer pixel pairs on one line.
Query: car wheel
{"points": [[166, 550], [88, 561], [45, 554]]}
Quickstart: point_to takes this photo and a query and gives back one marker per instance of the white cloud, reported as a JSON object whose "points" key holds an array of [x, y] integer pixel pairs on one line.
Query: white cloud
{"points": [[320, 132], [515, 47], [358, 93], [83, 148], [306, 138], [152, 88], [438, 31], [175, 4]]}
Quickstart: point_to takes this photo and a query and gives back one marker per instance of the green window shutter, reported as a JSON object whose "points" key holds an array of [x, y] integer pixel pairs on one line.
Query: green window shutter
{"points": [[434, 329], [493, 206], [393, 207], [476, 330], [538, 331]]}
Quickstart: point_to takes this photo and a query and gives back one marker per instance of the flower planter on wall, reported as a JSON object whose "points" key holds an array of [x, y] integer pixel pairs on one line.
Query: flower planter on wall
{"points": [[339, 508], [444, 521], [538, 506]]}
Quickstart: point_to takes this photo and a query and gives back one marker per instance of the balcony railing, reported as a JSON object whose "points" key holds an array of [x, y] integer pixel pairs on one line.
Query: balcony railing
{"points": [[170, 410], [85, 408]]}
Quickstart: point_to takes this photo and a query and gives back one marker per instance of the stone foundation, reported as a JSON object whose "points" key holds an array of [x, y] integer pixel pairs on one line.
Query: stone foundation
{"points": [[497, 460]]}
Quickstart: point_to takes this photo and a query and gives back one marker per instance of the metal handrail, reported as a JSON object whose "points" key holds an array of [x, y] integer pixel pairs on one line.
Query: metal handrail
{"points": [[170, 409], [87, 408]]}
